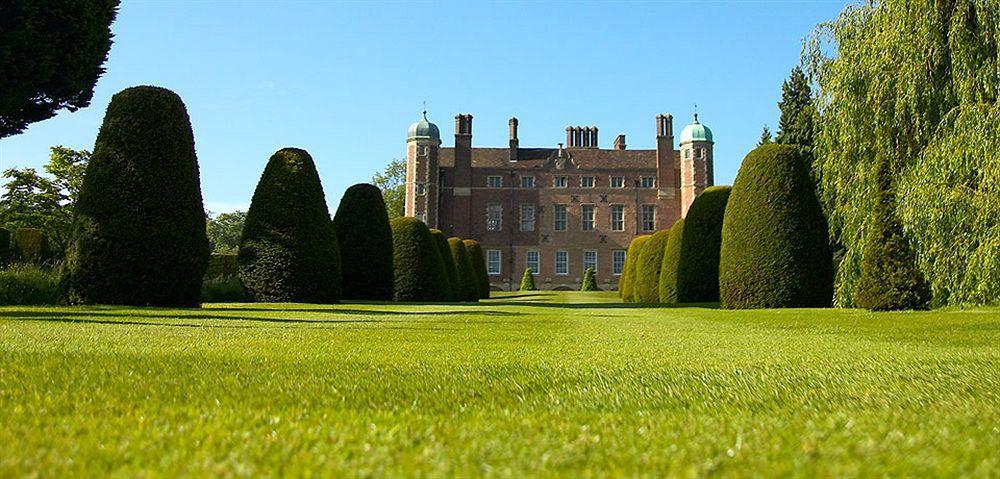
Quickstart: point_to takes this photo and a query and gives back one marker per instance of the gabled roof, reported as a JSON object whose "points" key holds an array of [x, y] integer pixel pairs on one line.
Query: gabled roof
{"points": [[543, 158]]}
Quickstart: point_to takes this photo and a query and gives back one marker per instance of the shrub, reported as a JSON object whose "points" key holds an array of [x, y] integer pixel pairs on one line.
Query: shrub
{"points": [[365, 241], [222, 265], [451, 271], [31, 245], [5, 247], [479, 266], [647, 268], [26, 284], [420, 274], [698, 265], [468, 286], [139, 225], [775, 252], [224, 290], [667, 287], [527, 280], [626, 284], [288, 249], [589, 281]]}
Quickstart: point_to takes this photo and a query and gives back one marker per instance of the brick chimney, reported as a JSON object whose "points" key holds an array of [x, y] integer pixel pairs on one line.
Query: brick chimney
{"points": [[620, 142], [463, 176], [512, 123], [593, 137]]}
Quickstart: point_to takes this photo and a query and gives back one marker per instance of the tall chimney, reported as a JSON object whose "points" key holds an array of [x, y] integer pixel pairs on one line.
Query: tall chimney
{"points": [[512, 123], [593, 137], [578, 137], [569, 136], [620, 142]]}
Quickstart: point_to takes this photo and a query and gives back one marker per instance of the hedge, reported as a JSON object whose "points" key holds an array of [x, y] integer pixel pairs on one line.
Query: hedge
{"points": [[775, 250], [31, 245], [139, 222], [451, 271], [667, 287], [468, 286], [5, 246], [479, 265], [698, 264], [288, 249], [647, 268], [626, 283], [365, 242], [419, 270], [222, 265], [30, 284]]}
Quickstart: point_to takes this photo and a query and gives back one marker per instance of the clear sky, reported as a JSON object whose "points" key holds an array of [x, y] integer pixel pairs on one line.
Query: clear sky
{"points": [[345, 80]]}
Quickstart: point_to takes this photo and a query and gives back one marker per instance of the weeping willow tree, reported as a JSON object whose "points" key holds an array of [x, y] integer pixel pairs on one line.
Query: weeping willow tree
{"points": [[913, 85]]}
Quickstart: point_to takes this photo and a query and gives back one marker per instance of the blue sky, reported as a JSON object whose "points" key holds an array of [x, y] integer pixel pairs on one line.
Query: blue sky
{"points": [[345, 80]]}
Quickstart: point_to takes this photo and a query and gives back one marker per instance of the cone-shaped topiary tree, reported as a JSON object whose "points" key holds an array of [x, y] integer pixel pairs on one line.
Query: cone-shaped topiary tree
{"points": [[451, 271], [479, 265], [288, 249], [589, 281], [139, 223], [420, 272], [528, 280], [775, 250], [468, 284], [667, 287], [365, 241], [626, 284], [647, 268], [698, 266]]}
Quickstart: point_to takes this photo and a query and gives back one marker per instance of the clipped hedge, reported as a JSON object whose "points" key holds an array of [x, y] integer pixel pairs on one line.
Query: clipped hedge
{"points": [[222, 265], [698, 263], [288, 249], [31, 245], [420, 273], [775, 250], [451, 271], [365, 241], [647, 268], [479, 265], [6, 252], [589, 281], [468, 285], [667, 287], [30, 284], [527, 280], [139, 222], [626, 283]]}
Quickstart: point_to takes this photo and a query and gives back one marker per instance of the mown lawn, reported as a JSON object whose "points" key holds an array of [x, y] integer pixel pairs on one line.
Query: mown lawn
{"points": [[531, 384]]}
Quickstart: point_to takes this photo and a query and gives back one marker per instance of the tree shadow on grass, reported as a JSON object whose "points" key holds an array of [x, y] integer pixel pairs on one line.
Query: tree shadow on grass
{"points": [[606, 305]]}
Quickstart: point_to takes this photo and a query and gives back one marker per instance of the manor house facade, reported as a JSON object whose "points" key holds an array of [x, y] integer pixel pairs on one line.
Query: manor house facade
{"points": [[555, 210]]}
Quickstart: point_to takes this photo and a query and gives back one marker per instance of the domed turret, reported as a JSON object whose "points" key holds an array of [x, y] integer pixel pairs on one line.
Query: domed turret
{"points": [[696, 132], [422, 143], [423, 130], [696, 162]]}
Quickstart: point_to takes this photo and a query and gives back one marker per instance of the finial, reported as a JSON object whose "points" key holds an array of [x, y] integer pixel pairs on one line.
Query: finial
{"points": [[696, 113], [425, 109]]}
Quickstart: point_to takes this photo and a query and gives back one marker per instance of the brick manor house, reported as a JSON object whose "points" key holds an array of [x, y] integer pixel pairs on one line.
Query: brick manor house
{"points": [[556, 210]]}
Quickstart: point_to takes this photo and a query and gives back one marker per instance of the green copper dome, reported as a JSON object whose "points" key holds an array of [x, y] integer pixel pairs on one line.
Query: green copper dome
{"points": [[696, 132], [423, 130]]}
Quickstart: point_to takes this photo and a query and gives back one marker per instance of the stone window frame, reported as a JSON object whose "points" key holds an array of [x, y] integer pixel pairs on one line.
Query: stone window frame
{"points": [[555, 217], [622, 219], [611, 182], [490, 182], [592, 182], [565, 262], [494, 224], [585, 266], [489, 262], [419, 189], [538, 260], [560, 182], [584, 222], [643, 180], [617, 267], [534, 217], [652, 217], [531, 181], [421, 216]]}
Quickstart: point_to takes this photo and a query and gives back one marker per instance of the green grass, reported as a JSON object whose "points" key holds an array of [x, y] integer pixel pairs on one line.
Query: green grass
{"points": [[533, 384]]}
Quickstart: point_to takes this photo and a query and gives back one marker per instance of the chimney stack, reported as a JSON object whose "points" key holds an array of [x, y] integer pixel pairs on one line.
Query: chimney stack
{"points": [[620, 142], [513, 138], [463, 125], [593, 137]]}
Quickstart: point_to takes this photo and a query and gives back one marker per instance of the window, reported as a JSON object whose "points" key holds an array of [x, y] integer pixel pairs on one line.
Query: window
{"points": [[494, 181], [648, 217], [493, 261], [423, 150], [531, 261], [587, 182], [617, 262], [560, 218], [617, 217], [421, 216], [699, 153], [527, 217], [617, 181], [560, 181], [646, 182], [494, 217], [590, 260], [562, 262], [421, 190], [687, 154], [587, 217], [527, 182]]}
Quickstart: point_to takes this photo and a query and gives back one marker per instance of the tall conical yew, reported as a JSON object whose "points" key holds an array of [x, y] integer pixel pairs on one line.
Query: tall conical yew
{"points": [[626, 284], [527, 280], [698, 263], [288, 250], [138, 235], [451, 271], [365, 241], [420, 273], [667, 286], [468, 285], [647, 268], [479, 265]]}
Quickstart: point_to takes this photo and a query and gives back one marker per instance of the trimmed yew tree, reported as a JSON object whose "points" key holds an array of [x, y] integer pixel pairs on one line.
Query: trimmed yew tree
{"points": [[139, 223], [667, 287], [479, 265], [365, 242], [589, 281], [698, 264], [289, 250], [626, 283], [468, 285], [527, 281], [647, 268], [775, 251], [451, 271], [420, 273]]}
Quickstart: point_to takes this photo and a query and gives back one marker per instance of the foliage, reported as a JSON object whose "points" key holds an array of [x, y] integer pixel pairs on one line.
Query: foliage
{"points": [[527, 280], [288, 251], [31, 200], [667, 285], [468, 285], [797, 113], [419, 268], [224, 230], [392, 182], [31, 245], [52, 54], [775, 251], [891, 76], [223, 265], [589, 281], [27, 284], [647, 268], [479, 266], [626, 283], [890, 279], [765, 137], [365, 244], [6, 250], [451, 271], [227, 289], [698, 265], [139, 225]]}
